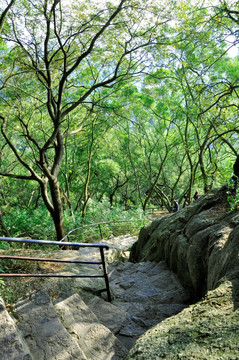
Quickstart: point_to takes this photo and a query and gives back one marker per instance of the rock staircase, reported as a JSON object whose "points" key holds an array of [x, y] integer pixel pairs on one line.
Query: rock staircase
{"points": [[80, 325]]}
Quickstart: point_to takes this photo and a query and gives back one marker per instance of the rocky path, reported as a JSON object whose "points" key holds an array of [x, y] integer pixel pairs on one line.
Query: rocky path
{"points": [[80, 325]]}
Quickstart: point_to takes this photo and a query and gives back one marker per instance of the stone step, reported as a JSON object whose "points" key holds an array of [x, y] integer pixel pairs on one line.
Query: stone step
{"points": [[42, 330], [95, 339], [87, 327], [116, 319], [12, 344], [129, 320], [146, 282]]}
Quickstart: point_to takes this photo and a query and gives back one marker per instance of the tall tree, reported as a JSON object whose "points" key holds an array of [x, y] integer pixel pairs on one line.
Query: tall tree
{"points": [[57, 60]]}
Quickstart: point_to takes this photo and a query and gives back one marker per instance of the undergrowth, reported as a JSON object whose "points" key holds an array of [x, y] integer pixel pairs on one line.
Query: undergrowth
{"points": [[233, 193], [13, 288], [37, 224]]}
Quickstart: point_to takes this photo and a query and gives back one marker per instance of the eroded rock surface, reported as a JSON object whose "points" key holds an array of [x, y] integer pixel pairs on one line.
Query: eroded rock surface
{"points": [[201, 244], [207, 330]]}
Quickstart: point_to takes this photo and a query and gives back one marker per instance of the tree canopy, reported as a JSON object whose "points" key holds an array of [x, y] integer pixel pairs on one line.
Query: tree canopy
{"points": [[130, 101]]}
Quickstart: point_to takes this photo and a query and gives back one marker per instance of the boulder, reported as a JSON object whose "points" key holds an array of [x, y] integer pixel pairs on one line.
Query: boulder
{"points": [[200, 244], [207, 239], [205, 330]]}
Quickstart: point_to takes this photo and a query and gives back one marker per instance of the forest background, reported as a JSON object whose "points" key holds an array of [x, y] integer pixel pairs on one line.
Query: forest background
{"points": [[109, 108]]}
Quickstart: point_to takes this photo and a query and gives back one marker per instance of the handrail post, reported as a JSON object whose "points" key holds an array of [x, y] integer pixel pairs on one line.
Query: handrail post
{"points": [[101, 235], [105, 274]]}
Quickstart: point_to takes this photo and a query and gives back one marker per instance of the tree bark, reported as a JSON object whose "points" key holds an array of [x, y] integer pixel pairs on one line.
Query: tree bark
{"points": [[236, 166], [3, 226], [55, 207], [4, 13]]}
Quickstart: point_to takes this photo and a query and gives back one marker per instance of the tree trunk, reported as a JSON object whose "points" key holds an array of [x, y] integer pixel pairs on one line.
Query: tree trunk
{"points": [[86, 195], [152, 188], [236, 167], [55, 207], [117, 186], [58, 222], [57, 213], [3, 226]]}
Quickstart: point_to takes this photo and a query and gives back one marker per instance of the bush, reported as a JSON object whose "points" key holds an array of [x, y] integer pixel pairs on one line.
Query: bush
{"points": [[30, 223], [38, 224]]}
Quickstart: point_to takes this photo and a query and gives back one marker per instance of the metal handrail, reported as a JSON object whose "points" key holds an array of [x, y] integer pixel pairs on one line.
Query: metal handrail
{"points": [[99, 225], [101, 247]]}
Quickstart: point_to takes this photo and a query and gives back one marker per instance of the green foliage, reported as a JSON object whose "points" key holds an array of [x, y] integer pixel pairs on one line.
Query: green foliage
{"points": [[102, 221], [30, 223], [151, 99], [7, 292], [37, 224], [12, 288], [102, 211], [233, 193], [4, 245]]}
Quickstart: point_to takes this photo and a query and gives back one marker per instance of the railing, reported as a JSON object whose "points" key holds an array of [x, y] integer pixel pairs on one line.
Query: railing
{"points": [[102, 230], [155, 212], [101, 248]]}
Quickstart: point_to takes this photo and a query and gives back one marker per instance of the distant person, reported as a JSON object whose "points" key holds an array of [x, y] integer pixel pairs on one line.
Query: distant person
{"points": [[195, 196], [186, 201], [175, 205]]}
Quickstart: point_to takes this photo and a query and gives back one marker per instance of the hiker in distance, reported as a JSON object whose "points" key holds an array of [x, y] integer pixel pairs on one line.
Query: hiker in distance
{"points": [[195, 196], [175, 205]]}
